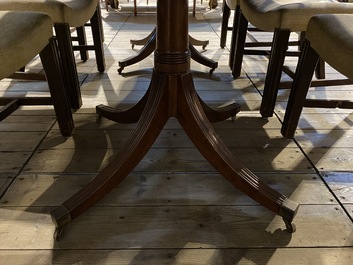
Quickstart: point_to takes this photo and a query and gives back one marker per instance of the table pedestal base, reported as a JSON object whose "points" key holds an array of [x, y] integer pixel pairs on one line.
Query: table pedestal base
{"points": [[172, 94]]}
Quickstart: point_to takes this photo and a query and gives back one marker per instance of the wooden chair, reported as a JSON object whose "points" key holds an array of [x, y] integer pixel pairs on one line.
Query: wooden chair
{"points": [[67, 14], [282, 17], [234, 5], [23, 35], [329, 37]]}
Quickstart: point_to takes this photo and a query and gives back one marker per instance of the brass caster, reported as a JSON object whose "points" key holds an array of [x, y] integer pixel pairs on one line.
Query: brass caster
{"points": [[288, 210], [99, 118], [291, 228], [60, 217], [58, 233]]}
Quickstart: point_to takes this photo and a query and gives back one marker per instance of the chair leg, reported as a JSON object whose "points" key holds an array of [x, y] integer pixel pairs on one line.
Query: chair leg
{"points": [[240, 27], [225, 20], [82, 40], [98, 39], [63, 34], [99, 13], [274, 71], [320, 72], [52, 67], [135, 8], [300, 86], [320, 69], [239, 23], [194, 8]]}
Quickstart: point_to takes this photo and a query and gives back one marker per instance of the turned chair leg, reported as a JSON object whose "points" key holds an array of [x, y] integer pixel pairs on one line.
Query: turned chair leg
{"points": [[274, 71], [300, 86], [240, 27], [51, 64], [225, 20]]}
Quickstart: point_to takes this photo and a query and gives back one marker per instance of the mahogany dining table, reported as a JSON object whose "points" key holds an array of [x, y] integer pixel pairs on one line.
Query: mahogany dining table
{"points": [[171, 93]]}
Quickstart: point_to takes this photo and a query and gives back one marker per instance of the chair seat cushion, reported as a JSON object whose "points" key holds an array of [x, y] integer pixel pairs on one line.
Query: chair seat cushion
{"points": [[292, 15], [23, 35], [331, 36], [74, 12]]}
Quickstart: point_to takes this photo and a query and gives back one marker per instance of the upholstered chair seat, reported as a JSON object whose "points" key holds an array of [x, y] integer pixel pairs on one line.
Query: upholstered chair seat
{"points": [[20, 42], [75, 13], [293, 15], [331, 36]]}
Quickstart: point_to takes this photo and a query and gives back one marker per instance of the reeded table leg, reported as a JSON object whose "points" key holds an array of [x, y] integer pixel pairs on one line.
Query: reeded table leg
{"points": [[196, 42], [145, 51], [133, 114], [172, 94], [144, 40], [149, 45]]}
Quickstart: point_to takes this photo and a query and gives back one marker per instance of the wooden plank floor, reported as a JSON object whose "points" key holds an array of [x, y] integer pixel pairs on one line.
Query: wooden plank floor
{"points": [[174, 208]]}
